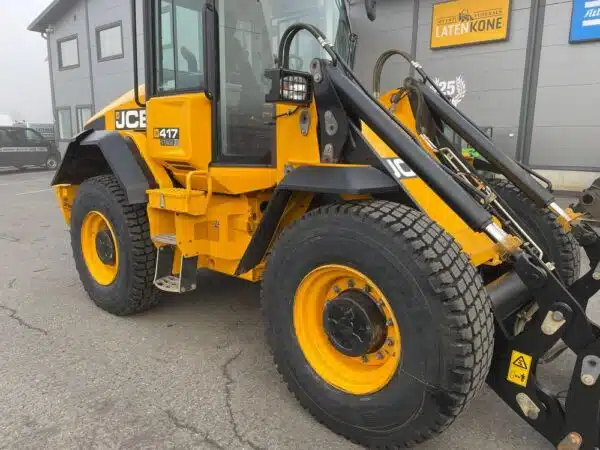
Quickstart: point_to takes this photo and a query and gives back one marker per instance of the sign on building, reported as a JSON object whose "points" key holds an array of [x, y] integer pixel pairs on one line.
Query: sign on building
{"points": [[585, 21], [463, 22]]}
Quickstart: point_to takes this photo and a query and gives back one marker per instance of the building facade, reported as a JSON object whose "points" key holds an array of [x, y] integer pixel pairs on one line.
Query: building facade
{"points": [[526, 70]]}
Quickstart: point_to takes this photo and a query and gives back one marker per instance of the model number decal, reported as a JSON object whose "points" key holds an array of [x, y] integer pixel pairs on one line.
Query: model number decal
{"points": [[399, 168], [168, 137]]}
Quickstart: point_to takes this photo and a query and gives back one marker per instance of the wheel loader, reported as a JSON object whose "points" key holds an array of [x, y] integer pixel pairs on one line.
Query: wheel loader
{"points": [[396, 281]]}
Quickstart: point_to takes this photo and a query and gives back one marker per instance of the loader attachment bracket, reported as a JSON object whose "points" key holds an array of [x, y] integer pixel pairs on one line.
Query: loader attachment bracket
{"points": [[560, 315]]}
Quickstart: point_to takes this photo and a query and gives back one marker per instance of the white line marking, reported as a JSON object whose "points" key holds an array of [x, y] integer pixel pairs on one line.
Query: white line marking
{"points": [[33, 192], [25, 181], [590, 23], [592, 4]]}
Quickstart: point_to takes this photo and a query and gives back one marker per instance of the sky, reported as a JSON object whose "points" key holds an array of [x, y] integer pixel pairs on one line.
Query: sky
{"points": [[24, 76]]}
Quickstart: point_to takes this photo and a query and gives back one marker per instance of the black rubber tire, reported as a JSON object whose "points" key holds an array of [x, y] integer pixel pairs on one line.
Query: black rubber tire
{"points": [[52, 161], [133, 290], [541, 225], [446, 324]]}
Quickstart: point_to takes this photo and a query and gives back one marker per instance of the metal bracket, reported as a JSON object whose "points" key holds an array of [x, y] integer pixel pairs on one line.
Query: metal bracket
{"points": [[590, 370]]}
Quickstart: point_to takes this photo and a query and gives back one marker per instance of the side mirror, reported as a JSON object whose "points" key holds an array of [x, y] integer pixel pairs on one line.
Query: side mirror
{"points": [[371, 8]]}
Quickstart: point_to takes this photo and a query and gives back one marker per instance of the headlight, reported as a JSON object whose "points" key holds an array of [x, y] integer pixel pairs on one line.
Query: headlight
{"points": [[294, 88], [289, 86]]}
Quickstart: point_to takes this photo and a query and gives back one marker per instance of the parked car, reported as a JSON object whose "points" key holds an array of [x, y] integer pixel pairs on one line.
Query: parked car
{"points": [[21, 147]]}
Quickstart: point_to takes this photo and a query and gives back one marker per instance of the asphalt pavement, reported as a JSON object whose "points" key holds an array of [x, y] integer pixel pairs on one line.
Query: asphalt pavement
{"points": [[194, 372]]}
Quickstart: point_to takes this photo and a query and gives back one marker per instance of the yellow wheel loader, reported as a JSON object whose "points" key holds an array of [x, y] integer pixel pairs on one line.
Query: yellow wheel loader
{"points": [[396, 280]]}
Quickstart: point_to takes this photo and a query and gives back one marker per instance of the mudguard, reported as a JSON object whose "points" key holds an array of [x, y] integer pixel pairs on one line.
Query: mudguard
{"points": [[318, 180], [98, 152]]}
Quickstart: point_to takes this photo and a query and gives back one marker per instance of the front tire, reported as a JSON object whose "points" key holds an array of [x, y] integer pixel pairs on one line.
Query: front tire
{"points": [[430, 297], [111, 244]]}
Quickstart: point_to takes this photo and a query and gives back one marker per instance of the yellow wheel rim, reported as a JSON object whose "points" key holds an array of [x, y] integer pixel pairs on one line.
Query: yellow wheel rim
{"points": [[101, 256], [358, 375]]}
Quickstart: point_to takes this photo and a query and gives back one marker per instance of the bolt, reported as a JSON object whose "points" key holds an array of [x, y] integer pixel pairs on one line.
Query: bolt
{"points": [[350, 283], [337, 289], [596, 276], [588, 379], [379, 355], [367, 288], [575, 438], [389, 322], [182, 289], [317, 77], [533, 414], [193, 286], [380, 303], [365, 359], [558, 316], [389, 341]]}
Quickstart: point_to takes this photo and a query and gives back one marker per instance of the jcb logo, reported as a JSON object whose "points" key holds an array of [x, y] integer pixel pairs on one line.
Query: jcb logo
{"points": [[130, 119], [399, 169]]}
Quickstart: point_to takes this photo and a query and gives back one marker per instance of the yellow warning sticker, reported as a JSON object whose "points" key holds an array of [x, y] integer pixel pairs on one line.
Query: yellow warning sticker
{"points": [[518, 370]]}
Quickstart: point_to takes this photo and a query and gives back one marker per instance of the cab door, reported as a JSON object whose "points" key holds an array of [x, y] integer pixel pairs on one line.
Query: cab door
{"points": [[179, 106]]}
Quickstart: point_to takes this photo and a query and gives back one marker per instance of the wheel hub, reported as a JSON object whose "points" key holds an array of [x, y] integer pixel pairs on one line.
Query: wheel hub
{"points": [[354, 324], [105, 247]]}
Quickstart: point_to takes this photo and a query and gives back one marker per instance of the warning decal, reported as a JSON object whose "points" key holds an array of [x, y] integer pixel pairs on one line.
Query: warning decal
{"points": [[518, 370]]}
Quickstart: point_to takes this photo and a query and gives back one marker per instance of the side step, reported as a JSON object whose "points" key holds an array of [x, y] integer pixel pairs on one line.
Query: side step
{"points": [[163, 276]]}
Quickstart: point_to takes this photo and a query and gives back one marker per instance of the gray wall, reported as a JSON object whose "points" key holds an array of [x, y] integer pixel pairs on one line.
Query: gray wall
{"points": [[566, 120], [107, 80], [493, 72], [392, 29], [71, 86], [114, 77]]}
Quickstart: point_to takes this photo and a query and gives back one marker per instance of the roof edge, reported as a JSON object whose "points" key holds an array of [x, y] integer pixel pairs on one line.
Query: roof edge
{"points": [[40, 23]]}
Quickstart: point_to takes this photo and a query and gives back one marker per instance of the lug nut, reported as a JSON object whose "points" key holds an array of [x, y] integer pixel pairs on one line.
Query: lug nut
{"points": [[336, 289], [367, 288], [350, 283], [389, 322]]}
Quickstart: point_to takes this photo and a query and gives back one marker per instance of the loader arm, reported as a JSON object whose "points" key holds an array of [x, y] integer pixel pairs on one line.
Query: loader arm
{"points": [[552, 310]]}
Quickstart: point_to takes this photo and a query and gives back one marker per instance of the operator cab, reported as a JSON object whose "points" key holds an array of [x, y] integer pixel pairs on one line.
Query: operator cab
{"points": [[207, 79]]}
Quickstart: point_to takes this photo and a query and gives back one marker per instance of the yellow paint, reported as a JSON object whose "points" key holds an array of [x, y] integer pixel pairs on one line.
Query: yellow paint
{"points": [[349, 374], [191, 113], [94, 223], [480, 248], [519, 368], [65, 194], [461, 22]]}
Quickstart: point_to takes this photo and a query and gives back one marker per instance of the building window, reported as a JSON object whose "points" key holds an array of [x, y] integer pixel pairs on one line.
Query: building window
{"points": [[109, 41], [68, 53], [83, 114], [65, 128]]}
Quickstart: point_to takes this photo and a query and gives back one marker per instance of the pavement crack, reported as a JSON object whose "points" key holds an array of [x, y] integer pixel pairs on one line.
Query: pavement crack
{"points": [[228, 387], [178, 423], [13, 315], [11, 283], [9, 238]]}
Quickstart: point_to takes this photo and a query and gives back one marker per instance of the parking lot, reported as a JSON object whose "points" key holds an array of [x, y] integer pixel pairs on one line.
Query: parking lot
{"points": [[193, 373]]}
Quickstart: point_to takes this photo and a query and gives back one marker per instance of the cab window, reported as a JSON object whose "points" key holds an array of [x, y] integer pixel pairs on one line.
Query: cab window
{"points": [[181, 46]]}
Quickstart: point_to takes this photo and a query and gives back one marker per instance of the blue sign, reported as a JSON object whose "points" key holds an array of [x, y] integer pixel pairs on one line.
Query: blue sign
{"points": [[585, 21]]}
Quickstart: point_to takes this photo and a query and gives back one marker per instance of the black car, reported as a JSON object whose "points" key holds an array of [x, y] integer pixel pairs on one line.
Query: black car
{"points": [[21, 147]]}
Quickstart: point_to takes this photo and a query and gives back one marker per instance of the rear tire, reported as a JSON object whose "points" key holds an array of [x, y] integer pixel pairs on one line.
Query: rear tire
{"points": [[541, 225], [127, 288], [437, 299]]}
